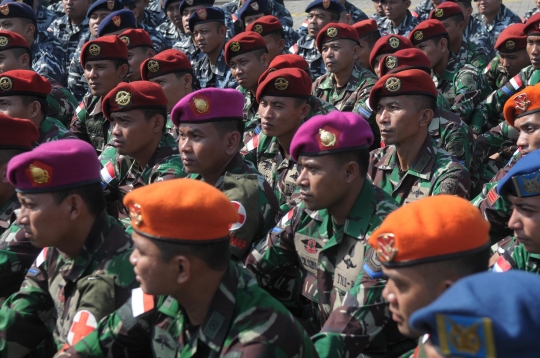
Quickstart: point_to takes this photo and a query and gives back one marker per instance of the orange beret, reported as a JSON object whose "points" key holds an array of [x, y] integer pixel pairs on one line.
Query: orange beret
{"points": [[522, 104], [445, 10], [291, 82], [426, 30], [136, 38], [512, 39], [201, 214], [366, 27], [333, 31], [244, 42], [431, 229]]}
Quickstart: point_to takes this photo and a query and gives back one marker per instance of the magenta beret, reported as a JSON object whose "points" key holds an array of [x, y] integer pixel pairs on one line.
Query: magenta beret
{"points": [[209, 105], [55, 166], [331, 133]]}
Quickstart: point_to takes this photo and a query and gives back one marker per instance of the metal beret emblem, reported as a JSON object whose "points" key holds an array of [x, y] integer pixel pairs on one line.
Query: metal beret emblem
{"points": [[5, 84], [332, 32], [123, 98], [255, 6], [201, 105], [418, 35], [110, 4], [126, 40], [326, 4], [39, 175], [510, 45], [235, 46], [281, 84], [439, 13], [94, 49], [258, 28], [393, 84], [135, 214], [391, 62], [521, 101], [153, 66], [202, 14], [4, 9], [4, 41], [117, 20], [189, 2], [393, 42], [328, 139], [386, 247]]}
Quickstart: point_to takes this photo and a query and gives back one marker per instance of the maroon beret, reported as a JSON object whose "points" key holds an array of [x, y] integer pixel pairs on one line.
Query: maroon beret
{"points": [[9, 39], [532, 26], [286, 61], [134, 95], [54, 166], [408, 82], [512, 39], [366, 27], [168, 61], [388, 44], [136, 38], [407, 59], [331, 133], [108, 47], [336, 31], [24, 83], [287, 82], [16, 133], [445, 10], [265, 25], [426, 30], [246, 41]]}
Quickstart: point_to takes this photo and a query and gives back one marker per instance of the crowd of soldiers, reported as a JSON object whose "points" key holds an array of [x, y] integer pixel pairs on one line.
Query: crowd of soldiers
{"points": [[184, 180]]}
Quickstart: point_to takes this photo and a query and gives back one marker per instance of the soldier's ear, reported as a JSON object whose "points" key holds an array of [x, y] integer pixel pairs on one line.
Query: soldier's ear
{"points": [[188, 81], [265, 59], [123, 70], [281, 45], [352, 171], [24, 60], [426, 115], [30, 30], [233, 141], [184, 268]]}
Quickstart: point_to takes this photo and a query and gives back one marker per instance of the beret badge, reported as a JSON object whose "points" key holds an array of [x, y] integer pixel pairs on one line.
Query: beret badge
{"points": [[439, 13], [4, 9], [331, 32], [235, 46], [510, 45], [153, 66], [125, 39], [255, 6], [94, 49], [4, 41], [110, 4], [386, 247], [117, 20], [39, 173], [393, 84], [326, 4], [135, 214], [201, 105], [189, 2], [418, 35], [5, 84], [202, 13], [393, 42], [521, 101], [391, 62], [328, 139], [123, 98], [531, 186], [281, 84], [258, 28]]}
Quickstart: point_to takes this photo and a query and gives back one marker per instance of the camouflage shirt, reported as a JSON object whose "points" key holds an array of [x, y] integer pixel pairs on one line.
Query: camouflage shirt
{"points": [[251, 106], [66, 297], [61, 103], [5, 212], [171, 33], [89, 123], [349, 97], [52, 129], [309, 263], [470, 54], [68, 34], [153, 19], [159, 42], [478, 35], [218, 76], [48, 56], [187, 46], [434, 171], [423, 10], [504, 18], [276, 9], [307, 48], [496, 74], [44, 17], [242, 321], [530, 13], [76, 82], [409, 22], [510, 254]]}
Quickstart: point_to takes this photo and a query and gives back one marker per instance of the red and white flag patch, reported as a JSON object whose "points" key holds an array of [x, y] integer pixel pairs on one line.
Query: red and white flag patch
{"points": [[501, 265], [41, 257], [107, 173], [141, 302]]}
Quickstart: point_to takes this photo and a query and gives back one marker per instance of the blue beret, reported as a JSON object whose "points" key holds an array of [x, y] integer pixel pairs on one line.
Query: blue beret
{"points": [[485, 315], [188, 3], [206, 14], [118, 20], [111, 5], [524, 177], [17, 9], [328, 5], [253, 7], [27, 2]]}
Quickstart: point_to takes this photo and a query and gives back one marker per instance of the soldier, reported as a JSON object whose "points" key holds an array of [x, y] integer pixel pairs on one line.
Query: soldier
{"points": [[203, 304], [138, 113], [474, 31], [82, 274], [172, 30], [317, 255], [105, 63], [379, 14], [140, 48], [451, 16], [411, 166], [276, 9], [209, 34], [423, 9], [247, 56], [495, 17], [350, 15], [368, 33], [399, 20], [320, 14], [531, 12], [463, 86], [145, 17], [47, 52], [216, 115], [346, 85], [277, 37], [424, 248], [24, 95], [44, 16], [386, 45]]}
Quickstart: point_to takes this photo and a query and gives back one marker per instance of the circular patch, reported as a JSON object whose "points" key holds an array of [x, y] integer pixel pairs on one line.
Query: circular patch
{"points": [[126, 40], [393, 42], [5, 84], [510, 45], [328, 139], [418, 35], [331, 32], [153, 66], [456, 148], [390, 62], [241, 213], [123, 98], [94, 49], [235, 46], [393, 84], [439, 13], [449, 186], [258, 28], [281, 84], [201, 105], [3, 41]]}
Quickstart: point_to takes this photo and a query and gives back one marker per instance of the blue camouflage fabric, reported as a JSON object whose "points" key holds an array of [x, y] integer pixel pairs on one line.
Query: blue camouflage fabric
{"points": [[44, 17], [409, 22], [307, 48], [504, 17], [48, 57], [218, 76], [153, 19], [530, 13], [187, 46], [76, 82], [171, 33], [159, 42], [478, 35], [423, 10], [68, 34]]}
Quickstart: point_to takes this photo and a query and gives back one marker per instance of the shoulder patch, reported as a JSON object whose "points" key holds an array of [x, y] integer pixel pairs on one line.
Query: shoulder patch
{"points": [[501, 265], [242, 215], [41, 257], [141, 302], [492, 196], [372, 265], [83, 324]]}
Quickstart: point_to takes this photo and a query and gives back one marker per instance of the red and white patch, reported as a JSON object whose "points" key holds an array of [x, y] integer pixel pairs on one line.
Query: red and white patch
{"points": [[141, 302], [41, 257], [516, 82], [79, 107], [492, 196], [107, 173], [241, 213], [286, 218], [83, 324], [294, 49], [501, 265], [253, 143]]}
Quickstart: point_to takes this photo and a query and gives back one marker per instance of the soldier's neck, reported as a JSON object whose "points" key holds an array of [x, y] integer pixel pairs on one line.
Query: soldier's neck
{"points": [[455, 46], [214, 54], [340, 211], [143, 157], [398, 22], [37, 120], [407, 150], [76, 21], [213, 177], [441, 66], [343, 77], [491, 17], [285, 141], [80, 229]]}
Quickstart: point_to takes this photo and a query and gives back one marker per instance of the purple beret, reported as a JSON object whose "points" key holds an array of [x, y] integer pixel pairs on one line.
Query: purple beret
{"points": [[55, 166], [331, 133], [209, 105]]}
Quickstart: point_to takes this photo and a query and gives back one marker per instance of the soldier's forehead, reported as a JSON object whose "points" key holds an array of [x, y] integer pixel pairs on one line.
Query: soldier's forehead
{"points": [[193, 8], [318, 11]]}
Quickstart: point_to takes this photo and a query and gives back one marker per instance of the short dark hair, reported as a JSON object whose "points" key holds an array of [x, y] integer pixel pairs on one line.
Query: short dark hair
{"points": [[7, 154], [437, 39], [151, 112], [215, 255], [360, 156], [91, 194], [26, 100], [425, 102], [334, 17], [118, 63], [25, 21], [225, 127], [466, 3], [19, 51], [299, 101], [258, 53], [457, 18], [372, 38], [278, 34]]}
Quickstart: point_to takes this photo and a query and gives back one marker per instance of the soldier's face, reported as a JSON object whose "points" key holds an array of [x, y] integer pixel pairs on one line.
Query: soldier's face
{"points": [[102, 76], [488, 7], [529, 132], [376, 63], [455, 29], [274, 45], [432, 50], [209, 36], [76, 9], [175, 88], [136, 56], [6, 189], [317, 19], [14, 107], [185, 17], [249, 19], [364, 51], [174, 15], [533, 49], [525, 221], [133, 134], [395, 9], [340, 56], [248, 67], [515, 61], [16, 25], [377, 4], [95, 19], [281, 116], [8, 61]]}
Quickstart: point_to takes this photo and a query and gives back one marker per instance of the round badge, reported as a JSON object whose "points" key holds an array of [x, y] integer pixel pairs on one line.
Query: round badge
{"points": [[510, 45], [123, 98], [235, 46], [390, 62], [5, 84], [439, 13], [153, 66], [258, 29], [3, 41], [393, 42], [201, 105], [331, 32], [418, 35], [94, 49], [393, 84], [328, 139], [241, 213], [281, 84], [126, 40]]}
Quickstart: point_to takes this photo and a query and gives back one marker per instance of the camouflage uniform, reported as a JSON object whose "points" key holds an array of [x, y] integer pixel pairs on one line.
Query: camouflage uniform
{"points": [[530, 13], [153, 19], [356, 14], [496, 74], [48, 56], [434, 171], [76, 82], [378, 19], [5, 212], [89, 123], [251, 106], [218, 76], [504, 18], [61, 102], [245, 185], [409, 22], [52, 129], [68, 34], [307, 48], [514, 256], [187, 46], [352, 96], [310, 264], [470, 54], [423, 10], [159, 42], [242, 321], [59, 291], [171, 33], [44, 17], [478, 35], [57, 8], [276, 9], [155, 6]]}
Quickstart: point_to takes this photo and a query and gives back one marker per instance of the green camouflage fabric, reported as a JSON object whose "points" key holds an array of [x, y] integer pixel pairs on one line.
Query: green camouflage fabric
{"points": [[68, 34], [504, 17], [242, 321], [307, 48], [409, 22], [255, 200], [463, 86], [76, 82], [434, 171], [510, 254], [496, 74], [489, 112], [251, 106], [310, 264], [61, 102], [351, 96], [5, 212], [89, 123], [67, 297], [470, 54], [51, 129]]}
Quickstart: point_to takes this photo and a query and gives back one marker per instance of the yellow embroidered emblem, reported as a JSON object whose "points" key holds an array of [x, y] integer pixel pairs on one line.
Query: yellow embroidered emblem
{"points": [[393, 42], [123, 98], [510, 45], [393, 84], [4, 9], [153, 66], [126, 40], [94, 49], [3, 41], [40, 175], [235, 46], [418, 35], [390, 62], [201, 105], [386, 247], [439, 13], [135, 214], [332, 32], [281, 84], [258, 28]]}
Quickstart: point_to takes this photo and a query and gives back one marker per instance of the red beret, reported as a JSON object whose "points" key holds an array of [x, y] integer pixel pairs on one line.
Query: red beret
{"points": [[285, 61], [136, 38], [426, 30], [408, 82], [54, 166], [532, 26], [24, 83], [134, 95], [265, 25], [331, 133], [388, 44], [168, 61], [246, 41], [209, 105], [512, 39], [108, 47], [445, 10], [17, 133], [9, 39], [289, 82], [407, 59], [333, 31], [366, 27]]}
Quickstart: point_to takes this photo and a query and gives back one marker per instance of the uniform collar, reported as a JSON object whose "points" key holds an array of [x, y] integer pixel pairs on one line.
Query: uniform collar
{"points": [[352, 84]]}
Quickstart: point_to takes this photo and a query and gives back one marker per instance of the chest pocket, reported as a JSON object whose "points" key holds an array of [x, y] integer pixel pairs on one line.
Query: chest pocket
{"points": [[417, 192], [308, 249], [163, 344], [349, 262]]}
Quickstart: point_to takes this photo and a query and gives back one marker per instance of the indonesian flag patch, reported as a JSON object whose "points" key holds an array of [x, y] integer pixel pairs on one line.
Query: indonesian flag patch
{"points": [[107, 173]]}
